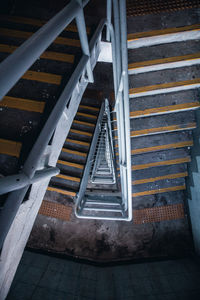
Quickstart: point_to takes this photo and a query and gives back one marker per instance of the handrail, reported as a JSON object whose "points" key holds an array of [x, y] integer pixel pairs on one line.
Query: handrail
{"points": [[16, 64], [16, 197]]}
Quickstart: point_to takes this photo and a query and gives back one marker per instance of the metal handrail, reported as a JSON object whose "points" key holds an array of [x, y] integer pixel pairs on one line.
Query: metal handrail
{"points": [[15, 198]]}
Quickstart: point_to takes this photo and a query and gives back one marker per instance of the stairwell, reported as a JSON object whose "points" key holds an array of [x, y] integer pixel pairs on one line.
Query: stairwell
{"points": [[163, 72]]}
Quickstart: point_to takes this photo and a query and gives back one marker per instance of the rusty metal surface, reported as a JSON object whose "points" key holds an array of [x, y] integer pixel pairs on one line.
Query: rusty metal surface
{"points": [[55, 210], [158, 214], [143, 7]]}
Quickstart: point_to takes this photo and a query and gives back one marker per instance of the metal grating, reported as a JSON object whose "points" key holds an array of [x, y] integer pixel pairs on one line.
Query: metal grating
{"points": [[143, 7], [158, 214], [55, 210]]}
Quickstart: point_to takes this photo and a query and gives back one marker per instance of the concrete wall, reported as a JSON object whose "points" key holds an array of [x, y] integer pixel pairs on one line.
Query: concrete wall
{"points": [[194, 186], [44, 277]]}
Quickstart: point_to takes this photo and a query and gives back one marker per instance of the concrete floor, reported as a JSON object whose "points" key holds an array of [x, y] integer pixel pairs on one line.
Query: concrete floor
{"points": [[44, 277]]}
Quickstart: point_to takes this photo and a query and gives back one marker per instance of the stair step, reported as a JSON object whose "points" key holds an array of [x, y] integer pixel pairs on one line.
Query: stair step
{"points": [[52, 55], [35, 22], [161, 36], [71, 178], [70, 164], [158, 130], [25, 35], [158, 191], [162, 124], [77, 153], [42, 77], [158, 178], [164, 88], [164, 63], [10, 147], [162, 147], [80, 132], [77, 142], [86, 115], [84, 123], [164, 110], [23, 104], [150, 175], [89, 107], [61, 191], [161, 163]]}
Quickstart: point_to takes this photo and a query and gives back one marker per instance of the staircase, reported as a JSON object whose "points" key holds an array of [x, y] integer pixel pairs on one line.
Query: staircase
{"points": [[75, 149], [163, 80], [25, 108]]}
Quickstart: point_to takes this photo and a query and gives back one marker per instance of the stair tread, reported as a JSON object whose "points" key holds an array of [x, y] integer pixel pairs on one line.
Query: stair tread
{"points": [[77, 153], [158, 178], [158, 191], [61, 191], [35, 22], [164, 87], [70, 164], [9, 147], [23, 104], [133, 36], [81, 132], [167, 60], [164, 109], [52, 55], [26, 34], [161, 163]]}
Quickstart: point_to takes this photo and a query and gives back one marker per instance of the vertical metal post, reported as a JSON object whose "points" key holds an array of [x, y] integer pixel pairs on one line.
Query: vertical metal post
{"points": [[109, 9], [124, 54], [80, 22]]}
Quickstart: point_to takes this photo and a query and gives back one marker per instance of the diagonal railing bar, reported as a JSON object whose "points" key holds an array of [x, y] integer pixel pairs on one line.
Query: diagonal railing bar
{"points": [[15, 198]]}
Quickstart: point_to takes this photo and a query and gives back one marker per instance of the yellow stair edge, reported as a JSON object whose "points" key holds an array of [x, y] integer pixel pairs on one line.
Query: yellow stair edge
{"points": [[164, 109], [10, 147], [47, 54], [23, 104], [135, 36], [76, 179], [166, 60], [27, 34], [161, 86], [36, 22], [153, 179], [162, 147], [61, 191], [161, 163], [77, 142], [70, 164], [164, 190], [157, 130], [74, 152]]}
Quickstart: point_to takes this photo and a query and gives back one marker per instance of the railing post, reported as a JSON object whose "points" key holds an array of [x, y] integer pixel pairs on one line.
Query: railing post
{"points": [[109, 10], [80, 22]]}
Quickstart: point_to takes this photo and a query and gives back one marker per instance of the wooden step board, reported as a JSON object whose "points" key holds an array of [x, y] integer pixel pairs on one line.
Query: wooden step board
{"points": [[26, 34], [164, 63], [51, 55], [10, 147], [164, 88], [161, 36]]}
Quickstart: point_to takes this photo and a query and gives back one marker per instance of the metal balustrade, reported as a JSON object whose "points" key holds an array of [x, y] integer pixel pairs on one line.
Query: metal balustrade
{"points": [[13, 67]]}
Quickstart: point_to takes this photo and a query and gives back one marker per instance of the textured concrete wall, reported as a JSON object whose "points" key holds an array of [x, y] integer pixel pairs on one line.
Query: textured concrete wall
{"points": [[44, 277], [194, 186]]}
